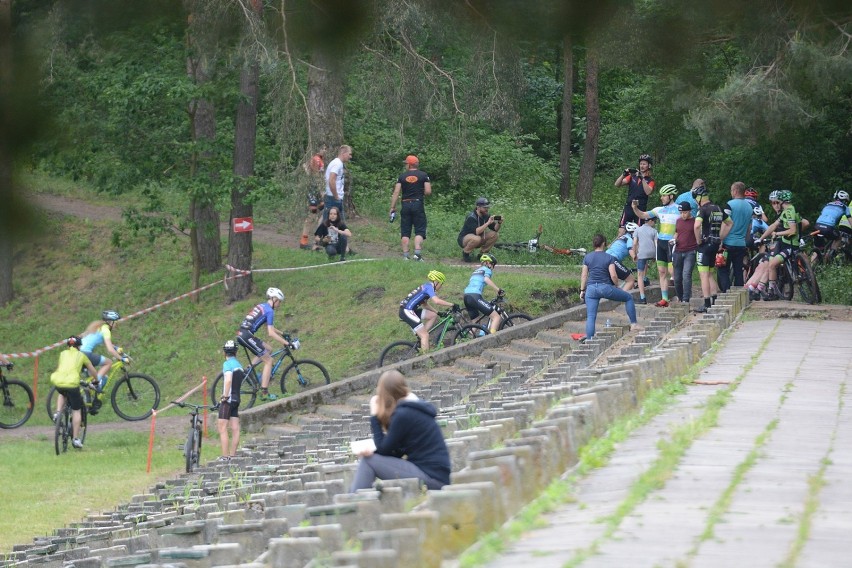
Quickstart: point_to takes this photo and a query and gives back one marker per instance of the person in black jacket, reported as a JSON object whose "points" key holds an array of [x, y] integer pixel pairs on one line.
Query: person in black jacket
{"points": [[409, 443], [480, 229]]}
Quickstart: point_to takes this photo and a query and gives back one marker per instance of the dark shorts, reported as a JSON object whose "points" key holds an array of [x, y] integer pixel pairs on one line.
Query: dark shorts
{"points": [[825, 236], [412, 317], [73, 397], [476, 305], [413, 213], [628, 216], [706, 255], [228, 410], [783, 250], [664, 251], [251, 342], [96, 360], [621, 271]]}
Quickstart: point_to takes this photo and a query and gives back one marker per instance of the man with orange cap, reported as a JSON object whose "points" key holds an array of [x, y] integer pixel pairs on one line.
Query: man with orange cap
{"points": [[413, 186]]}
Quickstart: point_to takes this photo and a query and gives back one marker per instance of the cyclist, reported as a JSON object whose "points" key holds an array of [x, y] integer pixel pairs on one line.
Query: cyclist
{"points": [[66, 379], [621, 248], [668, 215], [414, 309], [640, 185], [263, 313], [787, 244], [710, 229], [689, 196], [829, 219], [229, 403], [473, 300], [97, 333]]}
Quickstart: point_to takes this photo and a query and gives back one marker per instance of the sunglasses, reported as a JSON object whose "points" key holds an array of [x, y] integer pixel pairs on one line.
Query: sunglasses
{"points": [[775, 202]]}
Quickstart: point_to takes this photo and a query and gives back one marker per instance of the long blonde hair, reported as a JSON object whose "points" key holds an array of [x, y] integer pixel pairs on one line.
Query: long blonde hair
{"points": [[389, 390]]}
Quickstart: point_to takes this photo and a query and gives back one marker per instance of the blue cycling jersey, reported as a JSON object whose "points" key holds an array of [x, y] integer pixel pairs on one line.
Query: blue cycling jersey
{"points": [[259, 315], [418, 296], [620, 247], [92, 340], [477, 280], [832, 213]]}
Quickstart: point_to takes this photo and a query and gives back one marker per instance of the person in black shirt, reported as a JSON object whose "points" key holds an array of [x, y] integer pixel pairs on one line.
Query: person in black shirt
{"points": [[479, 230], [640, 185], [414, 185]]}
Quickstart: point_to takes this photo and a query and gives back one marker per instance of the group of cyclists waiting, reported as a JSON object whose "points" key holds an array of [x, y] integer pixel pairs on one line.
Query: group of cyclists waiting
{"points": [[689, 229]]}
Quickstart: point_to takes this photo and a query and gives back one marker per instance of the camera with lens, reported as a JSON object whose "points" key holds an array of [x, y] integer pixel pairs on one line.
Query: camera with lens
{"points": [[498, 218]]}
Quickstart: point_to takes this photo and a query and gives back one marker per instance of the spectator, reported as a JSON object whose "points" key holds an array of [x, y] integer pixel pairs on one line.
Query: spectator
{"points": [[402, 425], [710, 229], [414, 185], [229, 403], [333, 235], [644, 251], [479, 230], [689, 196], [685, 246], [315, 169], [739, 212], [335, 176], [640, 185], [597, 277]]}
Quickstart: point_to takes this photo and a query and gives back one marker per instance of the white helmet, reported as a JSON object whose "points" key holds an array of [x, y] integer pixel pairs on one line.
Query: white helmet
{"points": [[758, 210], [841, 195], [630, 227], [275, 293]]}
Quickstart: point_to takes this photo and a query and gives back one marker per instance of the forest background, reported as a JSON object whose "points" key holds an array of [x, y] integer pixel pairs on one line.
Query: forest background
{"points": [[211, 108]]}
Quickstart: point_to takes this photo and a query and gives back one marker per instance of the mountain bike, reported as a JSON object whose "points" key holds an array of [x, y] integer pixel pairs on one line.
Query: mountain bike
{"points": [[830, 252], [533, 244], [480, 326], [17, 402], [192, 446], [63, 429], [440, 335], [134, 395], [795, 271], [298, 375]]}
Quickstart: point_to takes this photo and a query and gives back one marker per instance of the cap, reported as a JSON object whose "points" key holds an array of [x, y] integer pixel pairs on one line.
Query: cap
{"points": [[483, 202], [411, 160], [684, 206]]}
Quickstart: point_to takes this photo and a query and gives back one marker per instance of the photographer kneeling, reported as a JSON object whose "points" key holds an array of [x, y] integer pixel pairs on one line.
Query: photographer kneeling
{"points": [[480, 230]]}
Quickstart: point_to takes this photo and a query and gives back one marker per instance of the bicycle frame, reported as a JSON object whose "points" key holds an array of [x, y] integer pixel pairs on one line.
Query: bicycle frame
{"points": [[281, 354]]}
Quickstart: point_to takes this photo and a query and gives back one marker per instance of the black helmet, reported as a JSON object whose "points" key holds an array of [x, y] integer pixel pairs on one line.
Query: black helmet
{"points": [[74, 341], [230, 348], [699, 191], [647, 158]]}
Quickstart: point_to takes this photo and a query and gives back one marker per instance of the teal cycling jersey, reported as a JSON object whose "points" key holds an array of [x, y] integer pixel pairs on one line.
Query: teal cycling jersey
{"points": [[668, 216], [620, 247], [477, 280]]}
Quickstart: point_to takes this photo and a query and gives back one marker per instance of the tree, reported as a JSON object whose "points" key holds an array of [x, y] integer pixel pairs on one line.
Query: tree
{"points": [[593, 129], [566, 116], [6, 77]]}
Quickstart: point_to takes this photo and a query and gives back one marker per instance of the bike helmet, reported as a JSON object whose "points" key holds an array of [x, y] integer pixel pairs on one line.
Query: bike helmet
{"points": [[647, 158], [751, 193], [699, 191], [785, 195], [436, 276], [841, 195], [774, 195], [230, 348], [275, 293], [668, 189], [630, 227], [488, 258], [758, 210], [110, 315], [74, 341]]}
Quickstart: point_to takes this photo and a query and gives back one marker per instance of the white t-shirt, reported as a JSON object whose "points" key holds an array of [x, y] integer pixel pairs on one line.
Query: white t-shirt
{"points": [[335, 166]]}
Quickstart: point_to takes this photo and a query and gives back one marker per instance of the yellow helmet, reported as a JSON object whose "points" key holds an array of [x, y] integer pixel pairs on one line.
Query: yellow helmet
{"points": [[436, 276]]}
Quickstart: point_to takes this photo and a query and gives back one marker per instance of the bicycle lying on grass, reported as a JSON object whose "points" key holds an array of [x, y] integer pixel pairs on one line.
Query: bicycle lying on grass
{"points": [[533, 244], [17, 402], [63, 429], [479, 326], [134, 395], [299, 375], [192, 446], [440, 335]]}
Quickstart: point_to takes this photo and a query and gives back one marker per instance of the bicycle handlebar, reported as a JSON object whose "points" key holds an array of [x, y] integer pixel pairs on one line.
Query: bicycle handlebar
{"points": [[191, 405]]}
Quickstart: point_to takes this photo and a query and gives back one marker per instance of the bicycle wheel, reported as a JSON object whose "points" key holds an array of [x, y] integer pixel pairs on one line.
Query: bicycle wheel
{"points": [[303, 374], [17, 404], [808, 289], [189, 449], [470, 332], [50, 403], [515, 319], [398, 351], [248, 390], [135, 396], [62, 431], [785, 281], [84, 422]]}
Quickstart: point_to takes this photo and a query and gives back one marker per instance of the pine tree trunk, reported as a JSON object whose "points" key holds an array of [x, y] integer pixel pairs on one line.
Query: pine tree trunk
{"points": [[566, 119], [593, 130], [6, 249]]}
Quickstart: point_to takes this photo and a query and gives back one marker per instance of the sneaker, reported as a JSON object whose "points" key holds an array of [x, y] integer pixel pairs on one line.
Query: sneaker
{"points": [[225, 458], [418, 257], [637, 328], [351, 252], [642, 301], [268, 396], [701, 310], [406, 257], [662, 304], [646, 281], [77, 443], [466, 257]]}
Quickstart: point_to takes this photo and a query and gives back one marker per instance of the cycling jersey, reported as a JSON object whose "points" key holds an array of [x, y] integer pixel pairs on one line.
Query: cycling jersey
{"points": [[67, 374], [712, 216], [832, 213], [92, 340], [620, 247], [636, 190], [687, 196], [758, 227], [477, 280], [259, 315], [418, 296], [668, 216], [789, 216], [233, 365]]}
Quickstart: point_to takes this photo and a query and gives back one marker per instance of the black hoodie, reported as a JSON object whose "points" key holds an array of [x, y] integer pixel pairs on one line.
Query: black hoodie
{"points": [[414, 433]]}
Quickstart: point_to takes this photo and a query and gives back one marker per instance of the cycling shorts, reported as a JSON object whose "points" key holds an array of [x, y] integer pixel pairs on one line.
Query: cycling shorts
{"points": [[252, 342], [783, 250], [97, 360], [412, 317], [621, 271], [476, 304], [228, 410], [664, 251], [706, 255], [73, 397]]}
